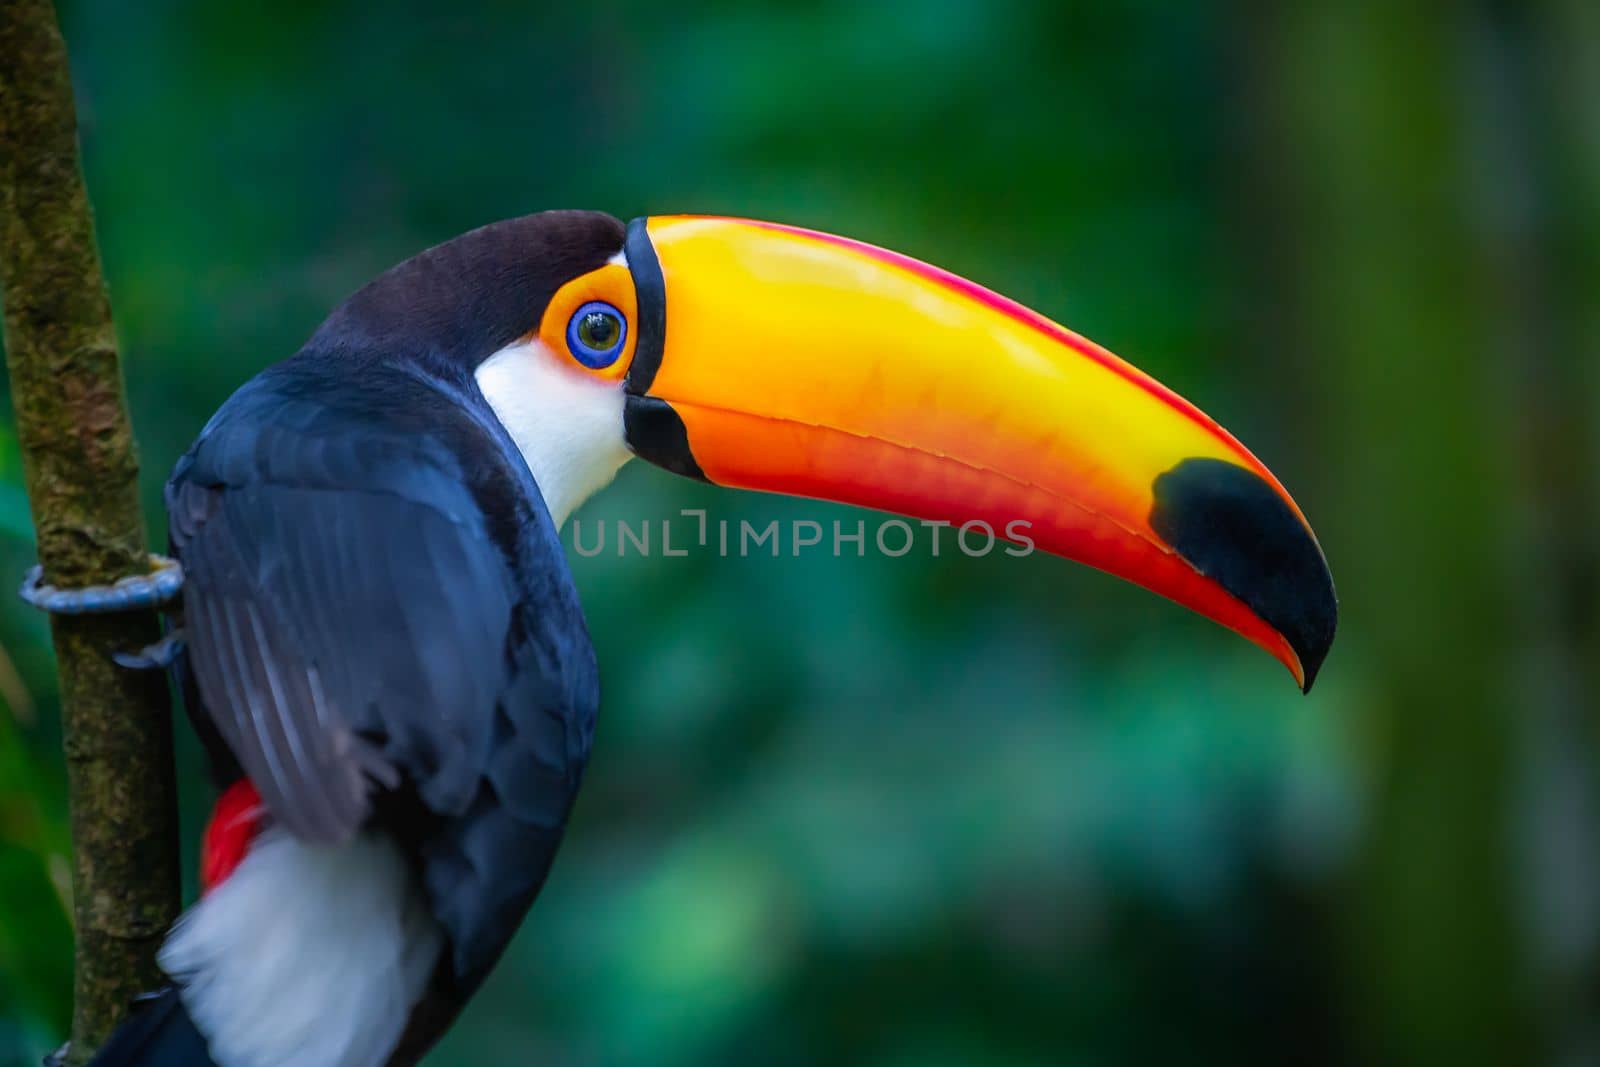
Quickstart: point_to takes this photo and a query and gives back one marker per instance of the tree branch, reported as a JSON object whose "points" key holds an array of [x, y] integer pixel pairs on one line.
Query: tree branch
{"points": [[78, 459]]}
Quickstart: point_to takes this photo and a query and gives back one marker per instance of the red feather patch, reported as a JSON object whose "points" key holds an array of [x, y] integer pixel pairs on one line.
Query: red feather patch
{"points": [[234, 822]]}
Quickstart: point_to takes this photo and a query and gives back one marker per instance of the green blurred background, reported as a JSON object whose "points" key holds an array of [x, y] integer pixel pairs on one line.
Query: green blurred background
{"points": [[922, 812]]}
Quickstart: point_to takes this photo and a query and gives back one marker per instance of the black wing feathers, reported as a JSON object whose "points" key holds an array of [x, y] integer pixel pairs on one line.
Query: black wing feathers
{"points": [[347, 612], [376, 597]]}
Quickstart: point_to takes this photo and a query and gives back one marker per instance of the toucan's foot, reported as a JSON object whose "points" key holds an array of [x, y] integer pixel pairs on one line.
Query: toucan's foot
{"points": [[59, 1056], [156, 657], [161, 586]]}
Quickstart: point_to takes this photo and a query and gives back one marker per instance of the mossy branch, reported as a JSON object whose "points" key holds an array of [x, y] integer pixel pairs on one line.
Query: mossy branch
{"points": [[78, 459]]}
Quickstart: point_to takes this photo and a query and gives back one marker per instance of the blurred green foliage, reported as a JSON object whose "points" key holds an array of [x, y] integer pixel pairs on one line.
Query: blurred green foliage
{"points": [[921, 812]]}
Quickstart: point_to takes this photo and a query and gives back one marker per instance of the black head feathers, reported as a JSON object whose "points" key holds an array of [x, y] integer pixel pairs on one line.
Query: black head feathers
{"points": [[467, 298]]}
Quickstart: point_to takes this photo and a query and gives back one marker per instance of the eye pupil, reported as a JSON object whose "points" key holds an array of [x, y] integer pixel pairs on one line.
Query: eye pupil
{"points": [[598, 330]]}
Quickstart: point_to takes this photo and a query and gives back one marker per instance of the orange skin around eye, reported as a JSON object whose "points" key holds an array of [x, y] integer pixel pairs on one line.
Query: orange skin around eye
{"points": [[611, 283]]}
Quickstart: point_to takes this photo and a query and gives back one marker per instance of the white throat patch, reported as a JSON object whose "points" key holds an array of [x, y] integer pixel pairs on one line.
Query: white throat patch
{"points": [[567, 425]]}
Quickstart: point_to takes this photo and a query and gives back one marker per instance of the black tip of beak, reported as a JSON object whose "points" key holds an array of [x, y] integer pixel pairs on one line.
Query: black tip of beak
{"points": [[1236, 529]]}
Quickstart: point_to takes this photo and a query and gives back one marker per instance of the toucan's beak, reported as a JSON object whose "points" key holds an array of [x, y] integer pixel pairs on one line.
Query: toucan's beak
{"points": [[796, 362]]}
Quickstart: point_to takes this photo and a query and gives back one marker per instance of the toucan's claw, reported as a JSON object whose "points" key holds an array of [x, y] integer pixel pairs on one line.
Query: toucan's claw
{"points": [[158, 588], [156, 657]]}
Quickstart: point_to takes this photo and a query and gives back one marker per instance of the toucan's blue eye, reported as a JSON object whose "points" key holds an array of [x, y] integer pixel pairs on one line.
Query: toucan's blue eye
{"points": [[595, 334]]}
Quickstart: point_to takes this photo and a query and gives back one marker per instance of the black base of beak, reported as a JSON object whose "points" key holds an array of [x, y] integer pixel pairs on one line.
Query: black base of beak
{"points": [[655, 432]]}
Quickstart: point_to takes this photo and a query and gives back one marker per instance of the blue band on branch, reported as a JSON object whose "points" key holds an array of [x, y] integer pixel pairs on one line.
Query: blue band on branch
{"points": [[137, 592]]}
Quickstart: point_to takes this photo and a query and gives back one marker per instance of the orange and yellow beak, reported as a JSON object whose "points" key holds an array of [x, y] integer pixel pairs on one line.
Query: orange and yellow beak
{"points": [[779, 359]]}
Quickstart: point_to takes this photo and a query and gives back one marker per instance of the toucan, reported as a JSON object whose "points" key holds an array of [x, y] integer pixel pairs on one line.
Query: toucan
{"points": [[384, 653]]}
